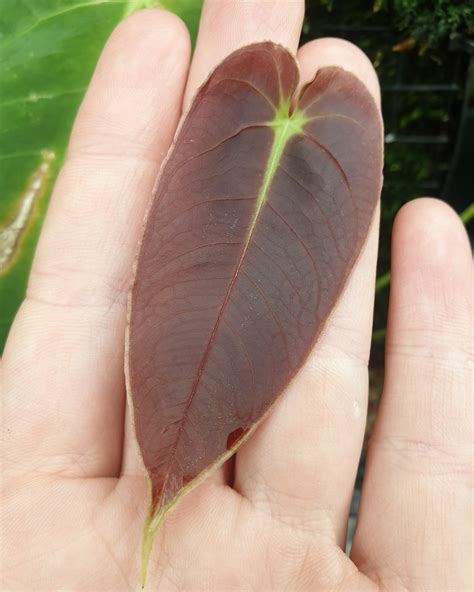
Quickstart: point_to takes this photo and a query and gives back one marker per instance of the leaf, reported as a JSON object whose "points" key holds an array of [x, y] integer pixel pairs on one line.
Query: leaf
{"points": [[49, 49], [259, 215]]}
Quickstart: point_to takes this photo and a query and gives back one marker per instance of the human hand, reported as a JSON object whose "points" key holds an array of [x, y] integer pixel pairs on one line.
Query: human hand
{"points": [[74, 492]]}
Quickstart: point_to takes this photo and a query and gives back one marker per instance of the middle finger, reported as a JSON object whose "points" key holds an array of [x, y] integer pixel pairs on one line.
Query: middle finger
{"points": [[301, 464], [227, 25]]}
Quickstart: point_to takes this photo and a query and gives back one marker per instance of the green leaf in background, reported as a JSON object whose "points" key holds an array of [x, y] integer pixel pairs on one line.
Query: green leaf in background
{"points": [[48, 49]]}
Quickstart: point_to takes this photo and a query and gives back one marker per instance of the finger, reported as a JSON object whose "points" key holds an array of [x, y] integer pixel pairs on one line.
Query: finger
{"points": [[63, 364], [301, 464], [415, 518], [225, 26]]}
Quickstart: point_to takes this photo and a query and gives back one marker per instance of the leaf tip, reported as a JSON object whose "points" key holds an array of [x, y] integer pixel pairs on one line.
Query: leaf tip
{"points": [[147, 543], [152, 523]]}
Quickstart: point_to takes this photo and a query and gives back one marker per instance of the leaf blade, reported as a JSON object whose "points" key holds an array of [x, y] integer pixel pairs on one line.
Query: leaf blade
{"points": [[228, 301]]}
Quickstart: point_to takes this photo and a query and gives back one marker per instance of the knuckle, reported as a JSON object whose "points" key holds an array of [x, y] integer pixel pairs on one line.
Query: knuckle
{"points": [[74, 288], [425, 457]]}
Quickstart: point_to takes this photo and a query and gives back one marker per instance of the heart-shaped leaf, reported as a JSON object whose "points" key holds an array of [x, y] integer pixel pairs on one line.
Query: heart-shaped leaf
{"points": [[259, 215]]}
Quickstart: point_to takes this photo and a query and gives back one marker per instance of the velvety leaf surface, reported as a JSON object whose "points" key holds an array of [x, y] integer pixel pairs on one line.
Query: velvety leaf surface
{"points": [[258, 218]]}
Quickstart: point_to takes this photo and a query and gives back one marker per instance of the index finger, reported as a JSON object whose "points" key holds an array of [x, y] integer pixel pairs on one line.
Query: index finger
{"points": [[63, 362]]}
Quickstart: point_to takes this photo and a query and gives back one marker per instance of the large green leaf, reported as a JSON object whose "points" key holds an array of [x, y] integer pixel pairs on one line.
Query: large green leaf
{"points": [[49, 49]]}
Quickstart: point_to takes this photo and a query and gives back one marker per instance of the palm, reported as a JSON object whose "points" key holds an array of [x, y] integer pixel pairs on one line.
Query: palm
{"points": [[86, 537], [73, 488]]}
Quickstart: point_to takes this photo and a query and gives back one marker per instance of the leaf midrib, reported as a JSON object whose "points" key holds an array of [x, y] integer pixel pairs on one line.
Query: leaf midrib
{"points": [[285, 126]]}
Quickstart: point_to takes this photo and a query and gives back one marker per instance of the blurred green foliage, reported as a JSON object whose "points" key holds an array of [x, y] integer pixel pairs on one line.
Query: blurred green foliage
{"points": [[430, 22], [427, 22]]}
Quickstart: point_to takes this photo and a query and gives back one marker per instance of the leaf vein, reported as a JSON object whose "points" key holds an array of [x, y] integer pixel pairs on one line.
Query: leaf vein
{"points": [[300, 240], [318, 205], [271, 310], [331, 155], [53, 15]]}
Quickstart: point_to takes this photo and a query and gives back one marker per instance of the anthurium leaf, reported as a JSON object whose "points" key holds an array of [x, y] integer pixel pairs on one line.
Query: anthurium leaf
{"points": [[259, 215], [49, 49]]}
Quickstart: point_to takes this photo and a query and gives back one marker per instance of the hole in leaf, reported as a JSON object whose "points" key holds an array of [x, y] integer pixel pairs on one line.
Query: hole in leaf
{"points": [[234, 436]]}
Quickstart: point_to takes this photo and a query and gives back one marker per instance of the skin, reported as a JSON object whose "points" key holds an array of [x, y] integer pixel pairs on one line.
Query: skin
{"points": [[73, 492]]}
